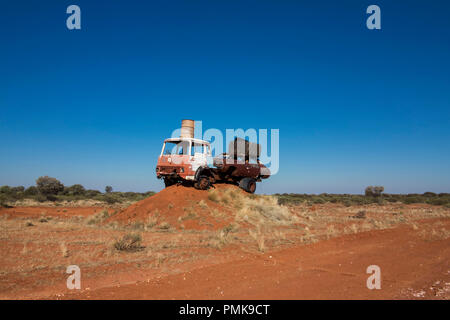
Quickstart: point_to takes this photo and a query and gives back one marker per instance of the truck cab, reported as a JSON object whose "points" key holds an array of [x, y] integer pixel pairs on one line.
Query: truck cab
{"points": [[180, 159]]}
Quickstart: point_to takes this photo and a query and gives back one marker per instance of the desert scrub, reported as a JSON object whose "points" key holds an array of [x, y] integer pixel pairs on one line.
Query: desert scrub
{"points": [[253, 208], [231, 195], [377, 197], [218, 240], [258, 236], [98, 217], [164, 226], [331, 231], [138, 226], [202, 204], [264, 210], [151, 222], [130, 242], [189, 216], [113, 225], [229, 228], [360, 215]]}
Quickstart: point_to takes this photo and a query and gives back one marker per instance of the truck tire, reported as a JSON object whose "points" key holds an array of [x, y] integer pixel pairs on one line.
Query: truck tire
{"points": [[169, 182], [248, 184], [202, 183]]}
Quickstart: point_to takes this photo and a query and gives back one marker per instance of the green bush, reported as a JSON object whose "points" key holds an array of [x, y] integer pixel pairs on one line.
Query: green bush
{"points": [[111, 199], [355, 199], [319, 200], [49, 186], [75, 190], [430, 194], [438, 202], [51, 197], [18, 189], [50, 189], [409, 200], [40, 198], [90, 194], [10, 194], [372, 191], [31, 191], [3, 200], [5, 189]]}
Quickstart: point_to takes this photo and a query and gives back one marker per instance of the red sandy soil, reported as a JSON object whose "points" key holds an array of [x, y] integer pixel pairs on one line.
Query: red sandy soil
{"points": [[314, 258], [35, 212], [411, 268]]}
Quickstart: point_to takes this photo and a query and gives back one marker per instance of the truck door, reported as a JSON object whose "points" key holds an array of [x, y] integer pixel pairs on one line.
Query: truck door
{"points": [[198, 153]]}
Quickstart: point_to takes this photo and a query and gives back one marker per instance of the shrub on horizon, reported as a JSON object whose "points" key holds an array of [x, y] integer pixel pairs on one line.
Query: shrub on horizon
{"points": [[372, 191], [76, 190], [49, 186]]}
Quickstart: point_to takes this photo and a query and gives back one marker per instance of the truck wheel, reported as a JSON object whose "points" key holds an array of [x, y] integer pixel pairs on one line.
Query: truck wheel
{"points": [[202, 183], [169, 182], [248, 184]]}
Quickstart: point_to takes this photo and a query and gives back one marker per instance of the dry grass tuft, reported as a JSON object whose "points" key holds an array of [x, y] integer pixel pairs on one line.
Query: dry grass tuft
{"points": [[113, 225], [360, 215], [98, 217], [24, 249], [258, 236], [64, 250], [331, 231], [221, 237], [165, 226], [160, 258], [202, 204], [191, 215], [213, 195], [130, 242], [151, 222], [138, 225], [354, 228]]}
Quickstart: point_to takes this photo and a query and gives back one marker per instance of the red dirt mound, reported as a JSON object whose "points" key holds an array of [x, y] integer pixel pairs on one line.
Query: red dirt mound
{"points": [[178, 207]]}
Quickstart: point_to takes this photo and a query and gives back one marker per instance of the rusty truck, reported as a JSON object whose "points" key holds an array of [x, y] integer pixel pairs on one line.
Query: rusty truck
{"points": [[185, 160]]}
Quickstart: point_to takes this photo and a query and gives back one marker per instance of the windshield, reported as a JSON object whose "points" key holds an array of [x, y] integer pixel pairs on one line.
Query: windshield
{"points": [[176, 148]]}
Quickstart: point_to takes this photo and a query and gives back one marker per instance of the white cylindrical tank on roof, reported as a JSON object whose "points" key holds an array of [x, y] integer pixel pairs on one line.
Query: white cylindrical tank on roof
{"points": [[187, 128]]}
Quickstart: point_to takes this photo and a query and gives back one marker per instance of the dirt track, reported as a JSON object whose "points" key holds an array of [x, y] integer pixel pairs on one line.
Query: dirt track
{"points": [[411, 268]]}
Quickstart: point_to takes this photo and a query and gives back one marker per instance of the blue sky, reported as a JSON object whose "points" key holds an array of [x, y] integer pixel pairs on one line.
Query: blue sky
{"points": [[354, 107]]}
